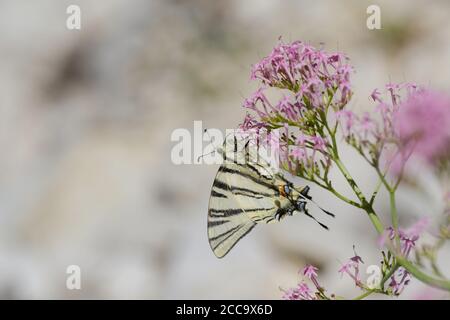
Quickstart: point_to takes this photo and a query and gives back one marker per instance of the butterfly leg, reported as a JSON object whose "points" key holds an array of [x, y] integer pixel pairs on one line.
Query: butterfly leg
{"points": [[281, 213]]}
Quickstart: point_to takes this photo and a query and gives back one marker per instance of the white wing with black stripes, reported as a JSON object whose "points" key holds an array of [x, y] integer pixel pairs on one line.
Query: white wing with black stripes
{"points": [[239, 200], [247, 192], [242, 195]]}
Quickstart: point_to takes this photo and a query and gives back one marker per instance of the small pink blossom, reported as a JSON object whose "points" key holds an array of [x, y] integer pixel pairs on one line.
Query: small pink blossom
{"points": [[375, 95], [299, 153], [301, 292], [351, 268], [347, 120], [310, 271], [319, 143]]}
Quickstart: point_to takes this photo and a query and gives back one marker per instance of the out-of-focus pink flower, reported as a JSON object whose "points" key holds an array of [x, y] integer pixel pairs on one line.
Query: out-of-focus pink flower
{"points": [[301, 139], [422, 125], [375, 95], [408, 236], [366, 125], [286, 108], [346, 268], [299, 153], [417, 228], [319, 143], [347, 120]]}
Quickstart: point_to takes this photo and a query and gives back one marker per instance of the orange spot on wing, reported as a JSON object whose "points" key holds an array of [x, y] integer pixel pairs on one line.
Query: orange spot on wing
{"points": [[281, 190]]}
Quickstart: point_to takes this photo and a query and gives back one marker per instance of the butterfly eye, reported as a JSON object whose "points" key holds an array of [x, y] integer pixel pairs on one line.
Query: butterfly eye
{"points": [[287, 190]]}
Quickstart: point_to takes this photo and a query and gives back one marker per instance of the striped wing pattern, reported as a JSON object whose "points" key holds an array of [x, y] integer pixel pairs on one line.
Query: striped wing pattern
{"points": [[242, 196]]}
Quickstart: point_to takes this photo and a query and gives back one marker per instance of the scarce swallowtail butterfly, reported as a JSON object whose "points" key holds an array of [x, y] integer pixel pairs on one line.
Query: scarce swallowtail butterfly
{"points": [[246, 192]]}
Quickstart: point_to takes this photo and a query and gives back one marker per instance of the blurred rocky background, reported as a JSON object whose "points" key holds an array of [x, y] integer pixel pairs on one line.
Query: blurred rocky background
{"points": [[86, 116]]}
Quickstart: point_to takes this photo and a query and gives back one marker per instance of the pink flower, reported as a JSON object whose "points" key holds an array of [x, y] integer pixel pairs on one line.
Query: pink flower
{"points": [[299, 153], [418, 228], [307, 71], [422, 125], [408, 237], [375, 95], [301, 139], [346, 268], [351, 268], [347, 120], [367, 124], [399, 280], [286, 108], [310, 271], [301, 292], [319, 143]]}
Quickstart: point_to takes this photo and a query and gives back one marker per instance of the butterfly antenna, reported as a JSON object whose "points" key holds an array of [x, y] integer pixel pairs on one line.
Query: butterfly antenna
{"points": [[210, 140], [305, 195], [305, 211], [204, 155]]}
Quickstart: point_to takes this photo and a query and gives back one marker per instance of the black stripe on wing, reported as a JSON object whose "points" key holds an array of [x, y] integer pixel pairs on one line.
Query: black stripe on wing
{"points": [[231, 212], [258, 181]]}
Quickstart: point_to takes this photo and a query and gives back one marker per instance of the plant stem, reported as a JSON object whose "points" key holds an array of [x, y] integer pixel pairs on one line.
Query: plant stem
{"points": [[394, 218], [364, 203], [420, 275], [368, 207], [364, 295], [387, 276]]}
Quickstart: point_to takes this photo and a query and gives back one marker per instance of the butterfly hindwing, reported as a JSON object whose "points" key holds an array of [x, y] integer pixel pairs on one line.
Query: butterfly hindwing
{"points": [[242, 196], [227, 221]]}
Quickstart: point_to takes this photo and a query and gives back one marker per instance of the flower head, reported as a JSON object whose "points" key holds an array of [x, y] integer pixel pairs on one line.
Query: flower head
{"points": [[301, 292], [351, 268], [310, 271]]}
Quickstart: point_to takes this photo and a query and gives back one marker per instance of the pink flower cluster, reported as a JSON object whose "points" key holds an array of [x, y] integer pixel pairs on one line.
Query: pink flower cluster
{"points": [[415, 120], [376, 127], [408, 238], [302, 291], [305, 70], [308, 150], [315, 79]]}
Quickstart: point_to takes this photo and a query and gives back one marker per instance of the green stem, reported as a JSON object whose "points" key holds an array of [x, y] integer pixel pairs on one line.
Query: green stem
{"points": [[367, 206], [364, 203], [420, 275], [394, 217], [343, 198], [364, 295], [375, 192], [387, 276]]}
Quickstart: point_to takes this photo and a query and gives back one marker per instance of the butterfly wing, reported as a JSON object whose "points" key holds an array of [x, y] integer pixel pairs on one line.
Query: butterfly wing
{"points": [[245, 192], [242, 196], [227, 220]]}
